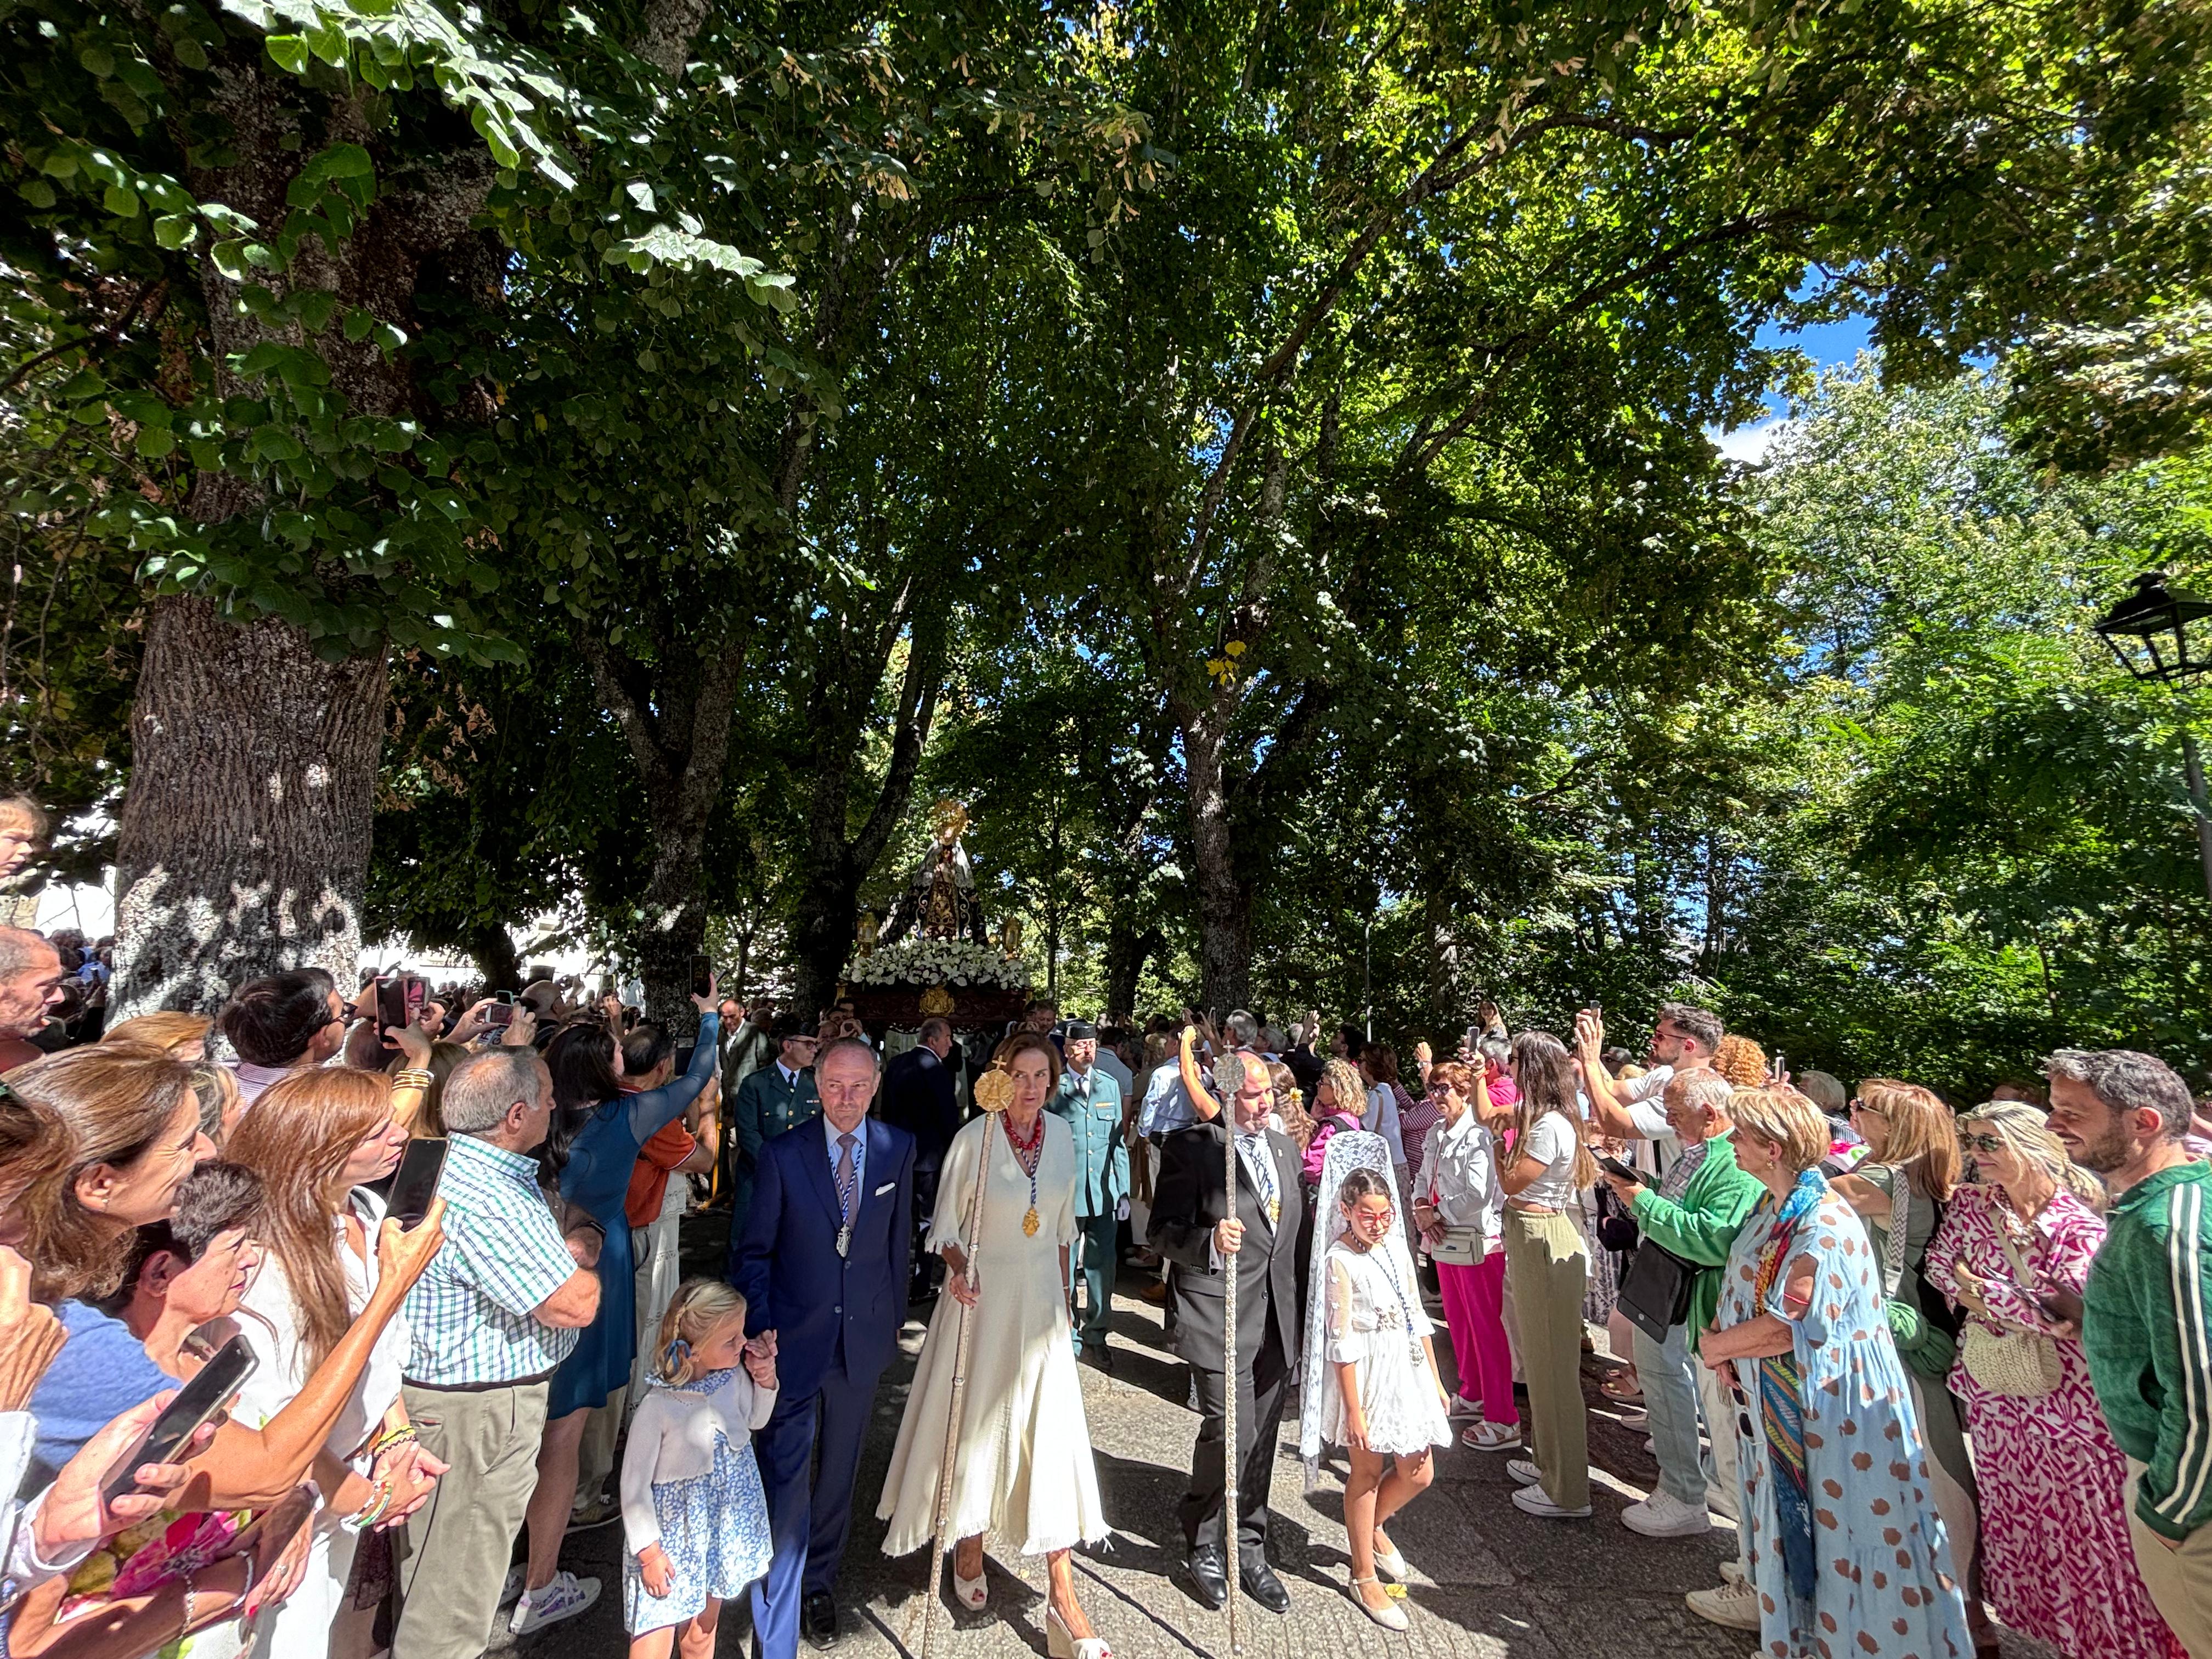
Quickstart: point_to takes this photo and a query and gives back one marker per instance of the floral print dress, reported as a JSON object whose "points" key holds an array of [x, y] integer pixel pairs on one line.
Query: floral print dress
{"points": [[2056, 1561], [1882, 1585]]}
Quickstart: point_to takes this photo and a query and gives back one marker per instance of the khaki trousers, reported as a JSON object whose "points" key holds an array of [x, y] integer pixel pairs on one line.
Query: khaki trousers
{"points": [[457, 1544], [1548, 1265], [2179, 1580]]}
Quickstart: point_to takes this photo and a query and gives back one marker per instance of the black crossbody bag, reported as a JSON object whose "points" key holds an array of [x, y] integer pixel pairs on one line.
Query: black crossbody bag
{"points": [[1655, 1293]]}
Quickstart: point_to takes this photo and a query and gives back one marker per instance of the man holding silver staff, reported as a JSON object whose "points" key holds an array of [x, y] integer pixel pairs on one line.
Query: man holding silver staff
{"points": [[1192, 1228]]}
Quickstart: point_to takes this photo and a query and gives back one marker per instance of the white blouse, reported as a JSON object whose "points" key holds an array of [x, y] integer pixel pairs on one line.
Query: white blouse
{"points": [[673, 1437], [271, 1326]]}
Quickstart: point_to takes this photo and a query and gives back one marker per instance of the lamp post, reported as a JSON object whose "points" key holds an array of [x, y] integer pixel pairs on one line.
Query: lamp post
{"points": [[2164, 633]]}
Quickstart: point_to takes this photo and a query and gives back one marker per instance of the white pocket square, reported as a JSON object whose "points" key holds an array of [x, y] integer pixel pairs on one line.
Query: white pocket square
{"points": [[885, 1187]]}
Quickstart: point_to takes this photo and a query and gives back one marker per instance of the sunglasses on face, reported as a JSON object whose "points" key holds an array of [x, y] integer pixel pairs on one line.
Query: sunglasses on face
{"points": [[1861, 1107], [1973, 1143]]}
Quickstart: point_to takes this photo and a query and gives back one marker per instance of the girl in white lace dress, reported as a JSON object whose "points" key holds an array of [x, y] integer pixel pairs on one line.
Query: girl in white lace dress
{"points": [[1388, 1406]]}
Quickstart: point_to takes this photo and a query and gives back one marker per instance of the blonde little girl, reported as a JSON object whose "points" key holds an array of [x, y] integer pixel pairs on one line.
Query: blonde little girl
{"points": [[693, 1519]]}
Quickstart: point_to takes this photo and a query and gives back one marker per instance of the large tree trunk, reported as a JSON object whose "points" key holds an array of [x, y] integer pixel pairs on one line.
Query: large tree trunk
{"points": [[1225, 899], [1128, 948], [675, 718], [244, 845], [493, 948], [827, 917]]}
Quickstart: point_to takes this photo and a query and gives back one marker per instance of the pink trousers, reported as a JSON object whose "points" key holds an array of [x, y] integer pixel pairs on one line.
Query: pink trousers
{"points": [[1475, 1301]]}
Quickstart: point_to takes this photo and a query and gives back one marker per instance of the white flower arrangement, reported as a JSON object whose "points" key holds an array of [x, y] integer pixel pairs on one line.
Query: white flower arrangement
{"points": [[939, 962]]}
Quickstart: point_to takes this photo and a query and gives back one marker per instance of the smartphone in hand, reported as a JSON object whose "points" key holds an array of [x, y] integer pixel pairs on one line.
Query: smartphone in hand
{"points": [[196, 1403]]}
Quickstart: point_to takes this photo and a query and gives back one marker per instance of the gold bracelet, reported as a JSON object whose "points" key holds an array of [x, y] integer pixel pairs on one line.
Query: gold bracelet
{"points": [[412, 1078]]}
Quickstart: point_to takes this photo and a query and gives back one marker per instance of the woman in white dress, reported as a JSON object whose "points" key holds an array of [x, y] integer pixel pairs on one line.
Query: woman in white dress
{"points": [[1022, 1467], [315, 1138]]}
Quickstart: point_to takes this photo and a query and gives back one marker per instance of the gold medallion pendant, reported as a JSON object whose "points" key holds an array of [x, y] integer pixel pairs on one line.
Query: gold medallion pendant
{"points": [[1030, 1222]]}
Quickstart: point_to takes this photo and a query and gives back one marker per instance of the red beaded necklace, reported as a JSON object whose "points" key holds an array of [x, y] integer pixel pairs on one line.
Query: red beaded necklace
{"points": [[1028, 1148]]}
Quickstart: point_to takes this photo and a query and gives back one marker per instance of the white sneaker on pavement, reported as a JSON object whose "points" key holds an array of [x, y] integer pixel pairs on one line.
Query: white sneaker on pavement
{"points": [[1731, 1572], [564, 1597], [1732, 1607], [513, 1587], [1524, 1472], [1662, 1515], [1531, 1500]]}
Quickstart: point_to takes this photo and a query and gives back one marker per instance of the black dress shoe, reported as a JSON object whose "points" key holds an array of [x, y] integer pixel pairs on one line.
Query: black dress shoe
{"points": [[817, 1617], [1211, 1572], [1262, 1586]]}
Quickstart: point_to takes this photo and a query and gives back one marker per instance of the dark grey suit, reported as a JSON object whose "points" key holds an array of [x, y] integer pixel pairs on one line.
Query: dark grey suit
{"points": [[1188, 1201]]}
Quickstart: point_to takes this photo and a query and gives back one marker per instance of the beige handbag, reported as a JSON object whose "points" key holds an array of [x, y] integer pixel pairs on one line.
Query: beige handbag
{"points": [[2014, 1360], [1456, 1247]]}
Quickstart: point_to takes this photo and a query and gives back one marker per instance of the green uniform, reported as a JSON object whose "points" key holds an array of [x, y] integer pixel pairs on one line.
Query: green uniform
{"points": [[769, 1103], [1091, 1107]]}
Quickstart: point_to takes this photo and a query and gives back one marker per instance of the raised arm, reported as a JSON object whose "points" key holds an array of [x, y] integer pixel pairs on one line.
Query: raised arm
{"points": [[252, 1468], [1194, 1081]]}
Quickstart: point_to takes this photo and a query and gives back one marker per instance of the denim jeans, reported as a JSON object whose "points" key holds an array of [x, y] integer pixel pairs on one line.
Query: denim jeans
{"points": [[1670, 1396]]}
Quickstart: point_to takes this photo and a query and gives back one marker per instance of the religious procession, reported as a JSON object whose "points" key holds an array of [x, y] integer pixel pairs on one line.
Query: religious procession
{"points": [[1857, 1348], [1120, 830]]}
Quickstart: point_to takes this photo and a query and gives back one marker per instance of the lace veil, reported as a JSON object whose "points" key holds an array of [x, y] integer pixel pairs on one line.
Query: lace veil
{"points": [[1359, 1150]]}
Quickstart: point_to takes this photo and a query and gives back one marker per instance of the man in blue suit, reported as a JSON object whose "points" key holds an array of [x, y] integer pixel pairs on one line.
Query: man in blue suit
{"points": [[823, 1266]]}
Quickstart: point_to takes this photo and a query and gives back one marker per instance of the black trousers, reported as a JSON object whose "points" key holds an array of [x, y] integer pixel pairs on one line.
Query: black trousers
{"points": [[1261, 1392], [928, 1270]]}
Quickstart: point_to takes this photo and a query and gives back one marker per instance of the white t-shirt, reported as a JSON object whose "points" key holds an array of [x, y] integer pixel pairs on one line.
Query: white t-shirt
{"points": [[1645, 1100], [1553, 1140]]}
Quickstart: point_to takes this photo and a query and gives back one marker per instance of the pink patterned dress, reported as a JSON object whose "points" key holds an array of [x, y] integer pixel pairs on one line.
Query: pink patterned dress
{"points": [[2057, 1562]]}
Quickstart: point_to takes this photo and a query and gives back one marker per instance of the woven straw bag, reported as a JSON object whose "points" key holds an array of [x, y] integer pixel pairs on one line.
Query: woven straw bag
{"points": [[2011, 1360]]}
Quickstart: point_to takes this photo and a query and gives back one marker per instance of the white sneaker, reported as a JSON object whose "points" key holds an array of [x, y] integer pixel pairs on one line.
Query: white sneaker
{"points": [[1524, 1472], [1731, 1572], [1662, 1515], [1732, 1607], [565, 1597], [1531, 1500], [513, 1587]]}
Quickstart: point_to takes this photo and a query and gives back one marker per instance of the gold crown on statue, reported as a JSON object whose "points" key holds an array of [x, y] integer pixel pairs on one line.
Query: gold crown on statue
{"points": [[949, 816]]}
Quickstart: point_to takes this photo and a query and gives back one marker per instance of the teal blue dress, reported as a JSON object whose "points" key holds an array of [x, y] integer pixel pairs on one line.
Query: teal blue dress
{"points": [[596, 1180], [1881, 1583]]}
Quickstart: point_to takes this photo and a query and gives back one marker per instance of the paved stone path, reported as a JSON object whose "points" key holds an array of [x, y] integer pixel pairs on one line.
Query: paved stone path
{"points": [[1490, 1583]]}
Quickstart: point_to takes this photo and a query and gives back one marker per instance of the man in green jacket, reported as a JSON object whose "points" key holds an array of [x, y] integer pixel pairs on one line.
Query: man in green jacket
{"points": [[2147, 1313], [1694, 1214]]}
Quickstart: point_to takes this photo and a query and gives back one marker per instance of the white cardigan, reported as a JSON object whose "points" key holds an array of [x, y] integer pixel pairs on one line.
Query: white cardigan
{"points": [[672, 1438]]}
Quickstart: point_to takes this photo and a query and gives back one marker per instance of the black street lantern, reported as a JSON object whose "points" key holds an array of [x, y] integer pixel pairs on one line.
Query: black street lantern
{"points": [[2159, 633], [2162, 633]]}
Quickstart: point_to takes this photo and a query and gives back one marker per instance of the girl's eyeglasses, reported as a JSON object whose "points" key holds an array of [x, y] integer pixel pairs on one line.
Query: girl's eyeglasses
{"points": [[1973, 1143]]}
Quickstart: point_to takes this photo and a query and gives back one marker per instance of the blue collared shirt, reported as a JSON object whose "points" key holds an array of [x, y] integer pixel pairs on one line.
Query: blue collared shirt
{"points": [[1167, 1105], [830, 1132], [471, 1318]]}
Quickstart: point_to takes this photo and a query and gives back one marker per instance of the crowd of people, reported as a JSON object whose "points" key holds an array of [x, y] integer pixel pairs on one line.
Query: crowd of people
{"points": [[1937, 1364]]}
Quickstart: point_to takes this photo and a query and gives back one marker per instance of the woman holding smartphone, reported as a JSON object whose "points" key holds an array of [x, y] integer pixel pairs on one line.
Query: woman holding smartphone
{"points": [[317, 1140]]}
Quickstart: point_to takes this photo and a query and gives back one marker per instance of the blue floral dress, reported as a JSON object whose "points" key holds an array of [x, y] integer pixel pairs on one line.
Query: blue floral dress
{"points": [[713, 1526], [1839, 1486]]}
